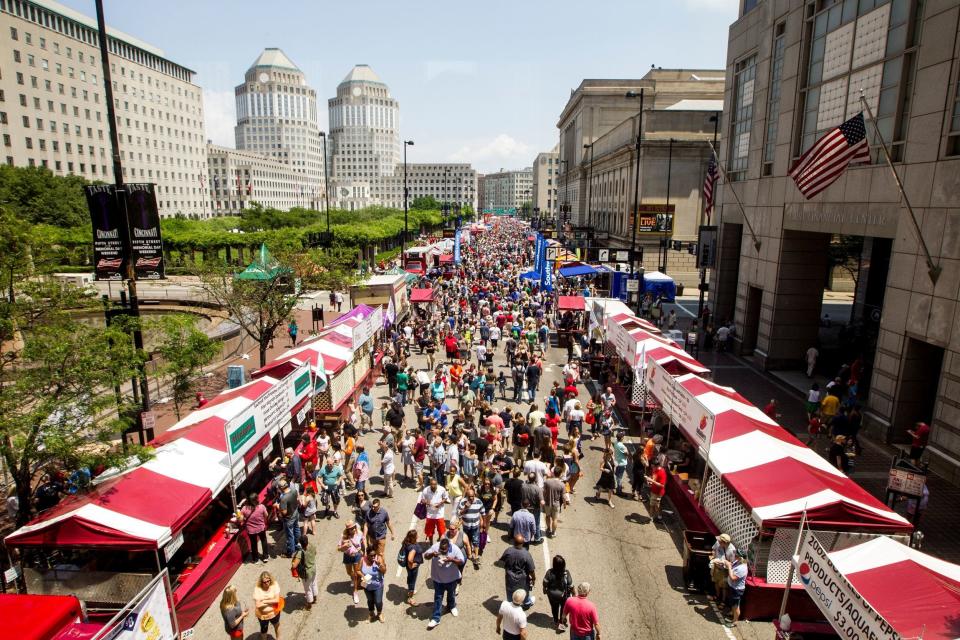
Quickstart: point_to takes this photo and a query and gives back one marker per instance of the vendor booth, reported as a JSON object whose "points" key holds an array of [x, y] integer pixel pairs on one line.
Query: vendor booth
{"points": [[659, 285], [30, 617], [343, 358], [754, 480], [888, 589], [422, 296], [174, 511]]}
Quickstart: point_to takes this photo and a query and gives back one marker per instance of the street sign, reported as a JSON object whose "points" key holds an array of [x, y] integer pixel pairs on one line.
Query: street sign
{"points": [[603, 255], [633, 285], [553, 253], [906, 482], [148, 419]]}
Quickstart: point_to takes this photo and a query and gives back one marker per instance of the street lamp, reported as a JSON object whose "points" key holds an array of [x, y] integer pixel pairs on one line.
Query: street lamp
{"points": [[406, 195], [636, 191], [326, 181], [589, 184]]}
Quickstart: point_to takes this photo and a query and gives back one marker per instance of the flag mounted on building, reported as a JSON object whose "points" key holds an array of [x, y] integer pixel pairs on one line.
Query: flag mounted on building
{"points": [[708, 184], [830, 156]]}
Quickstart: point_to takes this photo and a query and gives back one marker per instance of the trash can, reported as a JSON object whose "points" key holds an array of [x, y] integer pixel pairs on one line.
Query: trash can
{"points": [[679, 289], [697, 549]]}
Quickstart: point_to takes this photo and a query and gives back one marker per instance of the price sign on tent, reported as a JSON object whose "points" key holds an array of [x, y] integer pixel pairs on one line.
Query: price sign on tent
{"points": [[552, 254], [623, 256]]}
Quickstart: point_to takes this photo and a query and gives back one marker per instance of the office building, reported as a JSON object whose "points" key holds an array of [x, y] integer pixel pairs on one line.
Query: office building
{"points": [[795, 71], [545, 171], [239, 178], [507, 189], [598, 162], [449, 183], [277, 118], [53, 114]]}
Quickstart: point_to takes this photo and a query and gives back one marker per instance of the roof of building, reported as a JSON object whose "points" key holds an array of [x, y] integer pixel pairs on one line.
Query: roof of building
{"points": [[696, 105], [362, 73], [88, 21], [273, 57]]}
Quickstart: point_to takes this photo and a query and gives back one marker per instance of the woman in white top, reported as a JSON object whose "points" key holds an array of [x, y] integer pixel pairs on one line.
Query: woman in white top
{"points": [[387, 469], [406, 449]]}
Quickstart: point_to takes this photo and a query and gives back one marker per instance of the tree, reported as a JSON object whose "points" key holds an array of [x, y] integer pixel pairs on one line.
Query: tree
{"points": [[323, 270], [56, 377], [36, 195], [185, 351], [425, 203], [260, 307], [844, 254]]}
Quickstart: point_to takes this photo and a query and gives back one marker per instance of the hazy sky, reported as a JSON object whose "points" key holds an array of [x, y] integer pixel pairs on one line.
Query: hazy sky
{"points": [[480, 82]]}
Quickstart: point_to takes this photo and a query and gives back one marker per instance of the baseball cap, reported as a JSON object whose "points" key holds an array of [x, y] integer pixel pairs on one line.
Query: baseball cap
{"points": [[724, 537]]}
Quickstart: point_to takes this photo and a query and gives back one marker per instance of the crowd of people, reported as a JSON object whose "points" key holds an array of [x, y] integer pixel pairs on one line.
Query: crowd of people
{"points": [[487, 437]]}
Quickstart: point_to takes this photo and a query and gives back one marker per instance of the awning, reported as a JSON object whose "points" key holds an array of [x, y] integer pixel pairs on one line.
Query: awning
{"points": [[31, 617], [575, 270], [144, 507], [421, 295], [928, 603], [570, 303], [446, 258]]}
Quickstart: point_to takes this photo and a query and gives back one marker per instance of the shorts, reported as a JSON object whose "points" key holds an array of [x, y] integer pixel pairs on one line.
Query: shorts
{"points": [[352, 560], [812, 407], [417, 468], [265, 624], [734, 598], [473, 535], [655, 500], [435, 524], [551, 511]]}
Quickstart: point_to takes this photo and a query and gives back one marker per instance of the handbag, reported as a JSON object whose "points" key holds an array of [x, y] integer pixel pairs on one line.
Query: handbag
{"points": [[402, 557], [281, 604], [294, 572], [420, 511]]}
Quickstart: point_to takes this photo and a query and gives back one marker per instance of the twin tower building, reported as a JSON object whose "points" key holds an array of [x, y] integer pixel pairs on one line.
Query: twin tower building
{"points": [[277, 125]]}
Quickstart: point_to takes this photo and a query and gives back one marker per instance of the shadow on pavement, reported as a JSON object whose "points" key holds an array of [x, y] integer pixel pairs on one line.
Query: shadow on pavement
{"points": [[345, 587], [637, 518]]}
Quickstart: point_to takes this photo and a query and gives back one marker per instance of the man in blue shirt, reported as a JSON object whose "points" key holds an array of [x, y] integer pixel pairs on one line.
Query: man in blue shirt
{"points": [[330, 478], [366, 404], [737, 583], [446, 562], [522, 523]]}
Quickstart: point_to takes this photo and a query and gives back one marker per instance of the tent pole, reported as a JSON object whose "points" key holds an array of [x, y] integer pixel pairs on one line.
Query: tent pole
{"points": [[796, 550], [16, 582]]}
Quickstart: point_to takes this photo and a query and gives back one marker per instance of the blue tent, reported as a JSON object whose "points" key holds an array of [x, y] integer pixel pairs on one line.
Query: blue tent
{"points": [[577, 269], [659, 284]]}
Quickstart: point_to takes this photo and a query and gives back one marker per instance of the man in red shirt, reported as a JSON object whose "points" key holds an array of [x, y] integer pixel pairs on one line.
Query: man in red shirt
{"points": [[581, 615], [658, 486], [309, 452], [419, 454], [920, 435]]}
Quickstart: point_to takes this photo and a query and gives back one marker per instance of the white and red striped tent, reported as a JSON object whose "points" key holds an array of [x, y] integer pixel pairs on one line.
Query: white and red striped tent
{"points": [[146, 506], [919, 595]]}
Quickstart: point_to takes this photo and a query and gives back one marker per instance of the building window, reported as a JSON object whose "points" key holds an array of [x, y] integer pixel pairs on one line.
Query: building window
{"points": [[13, 33], [744, 79], [773, 97], [863, 47]]}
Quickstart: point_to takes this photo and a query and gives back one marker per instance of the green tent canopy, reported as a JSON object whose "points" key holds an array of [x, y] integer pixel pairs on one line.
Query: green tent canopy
{"points": [[265, 267]]}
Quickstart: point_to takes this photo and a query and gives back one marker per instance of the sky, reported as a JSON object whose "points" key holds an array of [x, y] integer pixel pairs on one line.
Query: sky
{"points": [[479, 82]]}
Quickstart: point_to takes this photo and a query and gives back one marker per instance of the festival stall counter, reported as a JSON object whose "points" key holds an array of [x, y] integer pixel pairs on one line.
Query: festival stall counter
{"points": [[756, 484], [31, 617], [386, 290], [174, 511], [343, 358]]}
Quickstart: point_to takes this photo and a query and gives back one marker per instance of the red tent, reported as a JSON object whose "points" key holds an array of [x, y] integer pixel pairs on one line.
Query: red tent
{"points": [[421, 295], [446, 258], [30, 617], [570, 303]]}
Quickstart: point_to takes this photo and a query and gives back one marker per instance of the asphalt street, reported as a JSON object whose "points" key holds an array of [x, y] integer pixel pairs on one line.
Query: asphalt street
{"points": [[633, 565]]}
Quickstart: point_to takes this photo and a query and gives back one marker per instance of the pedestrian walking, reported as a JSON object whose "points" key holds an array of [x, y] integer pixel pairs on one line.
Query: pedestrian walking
{"points": [[657, 480], [511, 618], [554, 491], [580, 615], [736, 583], [253, 518], [352, 546], [373, 568], [558, 586], [519, 569], [435, 498], [607, 481], [292, 331], [304, 566], [412, 557], [445, 568]]}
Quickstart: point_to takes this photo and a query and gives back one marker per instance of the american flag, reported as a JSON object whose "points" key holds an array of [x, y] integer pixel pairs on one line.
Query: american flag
{"points": [[708, 183], [826, 160]]}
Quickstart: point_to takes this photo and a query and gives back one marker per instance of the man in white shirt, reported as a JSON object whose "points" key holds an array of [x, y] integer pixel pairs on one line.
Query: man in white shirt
{"points": [[387, 468], [536, 466], [481, 355], [512, 619], [608, 400], [435, 498]]}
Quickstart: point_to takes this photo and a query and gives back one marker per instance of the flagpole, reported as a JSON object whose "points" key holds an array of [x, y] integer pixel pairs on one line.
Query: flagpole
{"points": [[933, 270], [723, 172], [796, 550]]}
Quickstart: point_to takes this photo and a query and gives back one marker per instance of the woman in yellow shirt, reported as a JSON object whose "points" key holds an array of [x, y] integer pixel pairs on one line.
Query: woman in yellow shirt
{"points": [[268, 603]]}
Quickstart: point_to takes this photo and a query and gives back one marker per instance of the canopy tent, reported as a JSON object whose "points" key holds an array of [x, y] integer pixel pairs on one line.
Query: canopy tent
{"points": [[421, 295], [576, 269], [659, 284], [772, 474], [144, 507], [39, 617], [570, 303], [446, 258], [927, 607], [264, 267], [530, 275], [410, 277]]}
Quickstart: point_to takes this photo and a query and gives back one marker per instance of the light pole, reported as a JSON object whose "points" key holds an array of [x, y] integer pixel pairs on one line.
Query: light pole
{"points": [[326, 180], [715, 119], [589, 184], [666, 240], [636, 191], [406, 195]]}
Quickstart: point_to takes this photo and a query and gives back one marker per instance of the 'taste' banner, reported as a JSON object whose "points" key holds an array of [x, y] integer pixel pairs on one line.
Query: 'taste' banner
{"points": [[845, 609]]}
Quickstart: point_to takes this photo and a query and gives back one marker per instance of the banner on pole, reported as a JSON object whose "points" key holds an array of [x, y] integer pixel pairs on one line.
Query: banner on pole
{"points": [[146, 245], [110, 250], [844, 608], [149, 616]]}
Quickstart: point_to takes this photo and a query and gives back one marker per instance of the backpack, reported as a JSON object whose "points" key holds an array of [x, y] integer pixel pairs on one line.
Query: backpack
{"points": [[553, 582]]}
